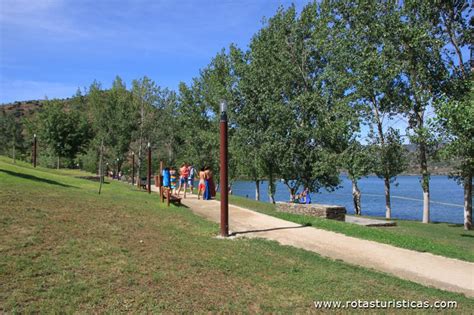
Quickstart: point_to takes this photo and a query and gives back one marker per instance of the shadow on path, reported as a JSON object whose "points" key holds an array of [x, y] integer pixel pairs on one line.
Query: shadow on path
{"points": [[34, 178], [268, 230]]}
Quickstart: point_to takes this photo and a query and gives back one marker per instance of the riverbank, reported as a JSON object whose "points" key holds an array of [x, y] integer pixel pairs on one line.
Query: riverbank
{"points": [[446, 202], [445, 239]]}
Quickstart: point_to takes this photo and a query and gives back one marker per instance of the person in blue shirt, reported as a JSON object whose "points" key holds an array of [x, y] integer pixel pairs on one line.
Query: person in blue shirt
{"points": [[166, 177]]}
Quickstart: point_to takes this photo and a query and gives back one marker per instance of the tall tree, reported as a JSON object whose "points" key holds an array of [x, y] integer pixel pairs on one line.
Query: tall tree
{"points": [[66, 132], [457, 117], [144, 99], [424, 72], [455, 111], [358, 162], [11, 137], [247, 139], [369, 47]]}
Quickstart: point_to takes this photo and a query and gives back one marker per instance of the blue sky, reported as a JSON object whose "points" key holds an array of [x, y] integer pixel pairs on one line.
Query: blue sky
{"points": [[52, 47]]}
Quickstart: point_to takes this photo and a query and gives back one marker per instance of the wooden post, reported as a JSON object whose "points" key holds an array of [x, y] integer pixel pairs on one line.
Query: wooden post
{"points": [[133, 168], [223, 172], [34, 150], [168, 192], [149, 169]]}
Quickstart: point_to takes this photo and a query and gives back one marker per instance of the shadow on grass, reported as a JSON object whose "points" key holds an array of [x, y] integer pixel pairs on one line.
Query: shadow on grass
{"points": [[34, 178], [467, 235], [448, 224]]}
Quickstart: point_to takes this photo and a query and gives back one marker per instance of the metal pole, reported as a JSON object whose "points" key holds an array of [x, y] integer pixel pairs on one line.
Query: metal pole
{"points": [[223, 173], [34, 150], [133, 168], [149, 169]]}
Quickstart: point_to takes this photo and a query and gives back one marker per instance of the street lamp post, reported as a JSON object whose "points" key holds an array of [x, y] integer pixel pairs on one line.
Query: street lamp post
{"points": [[118, 169], [223, 172], [149, 168], [133, 168], [34, 150]]}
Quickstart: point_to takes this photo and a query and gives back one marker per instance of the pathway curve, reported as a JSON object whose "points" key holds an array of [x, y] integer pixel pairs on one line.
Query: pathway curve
{"points": [[425, 268]]}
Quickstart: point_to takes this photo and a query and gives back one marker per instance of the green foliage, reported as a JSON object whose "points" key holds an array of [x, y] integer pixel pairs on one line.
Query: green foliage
{"points": [[389, 157], [65, 132], [357, 160], [457, 118], [12, 142]]}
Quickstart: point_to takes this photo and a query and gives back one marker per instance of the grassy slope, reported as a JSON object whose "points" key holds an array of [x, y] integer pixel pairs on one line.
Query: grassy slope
{"points": [[444, 239], [63, 248]]}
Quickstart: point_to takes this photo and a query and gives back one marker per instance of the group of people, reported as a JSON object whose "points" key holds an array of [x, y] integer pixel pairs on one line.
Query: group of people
{"points": [[180, 181], [303, 197]]}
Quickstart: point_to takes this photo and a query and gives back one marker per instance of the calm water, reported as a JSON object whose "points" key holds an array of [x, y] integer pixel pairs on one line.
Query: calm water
{"points": [[407, 199]]}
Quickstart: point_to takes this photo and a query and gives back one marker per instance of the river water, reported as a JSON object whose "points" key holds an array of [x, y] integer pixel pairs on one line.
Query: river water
{"points": [[407, 198]]}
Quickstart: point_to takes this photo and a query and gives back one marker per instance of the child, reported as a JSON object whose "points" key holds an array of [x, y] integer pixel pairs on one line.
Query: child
{"points": [[173, 180], [202, 183]]}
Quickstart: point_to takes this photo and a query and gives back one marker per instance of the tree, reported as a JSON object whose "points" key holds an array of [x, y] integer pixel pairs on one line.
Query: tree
{"points": [[144, 99], [11, 136], [120, 110], [457, 118], [424, 71], [389, 159], [246, 142], [66, 132], [455, 111], [358, 162], [368, 37]]}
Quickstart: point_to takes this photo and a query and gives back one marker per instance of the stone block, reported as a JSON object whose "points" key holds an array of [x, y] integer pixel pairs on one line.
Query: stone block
{"points": [[315, 210]]}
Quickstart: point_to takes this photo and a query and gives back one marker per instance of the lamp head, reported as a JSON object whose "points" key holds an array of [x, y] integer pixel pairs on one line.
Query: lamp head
{"points": [[148, 145], [223, 106], [34, 135]]}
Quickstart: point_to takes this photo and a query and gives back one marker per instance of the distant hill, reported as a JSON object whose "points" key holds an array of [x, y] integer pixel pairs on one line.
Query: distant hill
{"points": [[23, 108]]}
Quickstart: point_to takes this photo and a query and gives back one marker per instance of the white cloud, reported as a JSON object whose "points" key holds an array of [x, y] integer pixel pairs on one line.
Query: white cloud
{"points": [[37, 17]]}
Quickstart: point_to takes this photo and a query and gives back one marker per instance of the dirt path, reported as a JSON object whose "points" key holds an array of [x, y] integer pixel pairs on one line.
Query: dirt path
{"points": [[428, 269]]}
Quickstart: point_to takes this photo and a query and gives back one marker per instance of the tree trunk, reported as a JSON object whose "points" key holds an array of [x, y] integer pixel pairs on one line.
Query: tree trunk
{"points": [[271, 189], [14, 158], [58, 162], [388, 207], [425, 183], [468, 202], [356, 197], [257, 190]]}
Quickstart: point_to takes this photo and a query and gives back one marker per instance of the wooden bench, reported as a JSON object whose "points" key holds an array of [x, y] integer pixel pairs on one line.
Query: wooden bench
{"points": [[165, 193]]}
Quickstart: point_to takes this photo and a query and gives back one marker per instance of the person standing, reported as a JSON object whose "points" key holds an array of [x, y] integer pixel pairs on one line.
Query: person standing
{"points": [[202, 184], [183, 178], [173, 180], [192, 175], [166, 177], [210, 188]]}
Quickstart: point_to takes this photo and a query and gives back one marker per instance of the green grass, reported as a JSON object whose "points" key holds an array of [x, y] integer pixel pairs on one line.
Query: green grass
{"points": [[64, 249], [444, 239]]}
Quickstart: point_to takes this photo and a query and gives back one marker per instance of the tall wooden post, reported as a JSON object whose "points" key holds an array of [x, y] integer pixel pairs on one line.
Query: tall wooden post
{"points": [[223, 172], [34, 150], [133, 168], [149, 169]]}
